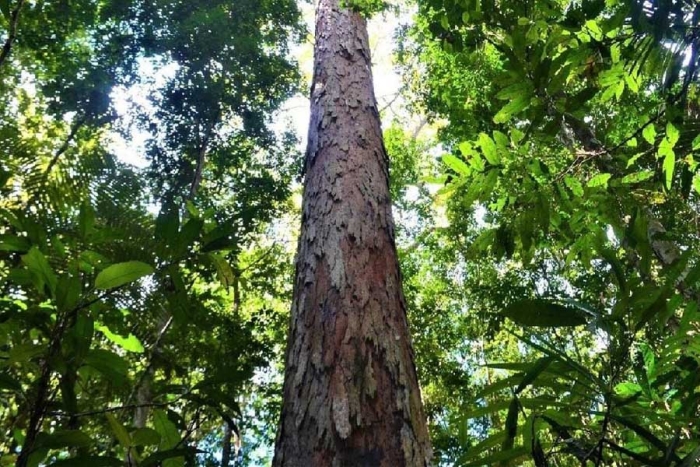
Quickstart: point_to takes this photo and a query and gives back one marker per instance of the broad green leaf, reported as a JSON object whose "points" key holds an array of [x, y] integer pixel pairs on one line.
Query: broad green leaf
{"points": [[627, 389], [599, 180], [638, 177], [489, 149], [169, 435], [594, 30], [456, 164], [23, 353], [68, 291], [574, 185], [41, 271], [615, 53], [501, 139], [632, 82], [223, 269], [145, 437], [669, 167], [86, 220], [130, 343], [696, 143], [119, 431], [515, 106], [122, 274], [672, 134], [114, 367], [649, 134], [545, 313], [14, 243]]}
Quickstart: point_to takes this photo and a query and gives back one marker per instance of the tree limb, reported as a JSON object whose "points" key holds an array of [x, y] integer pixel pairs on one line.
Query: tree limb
{"points": [[12, 36]]}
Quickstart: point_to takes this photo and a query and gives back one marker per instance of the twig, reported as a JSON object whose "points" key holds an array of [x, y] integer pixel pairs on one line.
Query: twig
{"points": [[64, 147]]}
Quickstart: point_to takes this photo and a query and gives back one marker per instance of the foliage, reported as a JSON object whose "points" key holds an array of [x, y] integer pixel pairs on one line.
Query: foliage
{"points": [[135, 304], [572, 129]]}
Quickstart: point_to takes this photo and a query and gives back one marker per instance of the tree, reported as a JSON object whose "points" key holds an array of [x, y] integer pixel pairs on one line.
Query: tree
{"points": [[572, 131], [351, 394]]}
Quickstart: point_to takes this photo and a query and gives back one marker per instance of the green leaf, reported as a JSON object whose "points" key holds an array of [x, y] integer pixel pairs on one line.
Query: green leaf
{"points": [[223, 269], [594, 30], [696, 143], [40, 270], [169, 435], [649, 134], [121, 274], [130, 343], [5, 9], [456, 164], [574, 185], [14, 243], [119, 431], [632, 82], [540, 312], [114, 367], [511, 425], [86, 220], [599, 180], [540, 366], [626, 390], [513, 107], [68, 291], [637, 177], [145, 437], [669, 167], [672, 134], [489, 149], [25, 352]]}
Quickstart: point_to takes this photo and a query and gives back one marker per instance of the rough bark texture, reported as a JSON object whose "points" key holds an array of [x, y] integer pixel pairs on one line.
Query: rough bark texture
{"points": [[351, 395]]}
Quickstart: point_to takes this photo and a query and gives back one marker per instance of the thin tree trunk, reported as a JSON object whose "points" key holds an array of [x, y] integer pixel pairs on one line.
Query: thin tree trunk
{"points": [[351, 395]]}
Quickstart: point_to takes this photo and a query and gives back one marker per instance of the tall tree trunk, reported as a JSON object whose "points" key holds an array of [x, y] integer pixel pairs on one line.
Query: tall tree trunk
{"points": [[351, 395]]}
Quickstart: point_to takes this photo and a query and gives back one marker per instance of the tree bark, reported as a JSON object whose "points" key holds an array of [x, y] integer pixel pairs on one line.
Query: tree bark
{"points": [[351, 395]]}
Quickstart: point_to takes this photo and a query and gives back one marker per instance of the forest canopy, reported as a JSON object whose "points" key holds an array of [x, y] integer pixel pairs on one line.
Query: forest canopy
{"points": [[545, 182]]}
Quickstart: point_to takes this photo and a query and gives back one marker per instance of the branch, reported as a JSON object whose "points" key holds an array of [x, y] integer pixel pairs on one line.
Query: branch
{"points": [[14, 23], [64, 147], [113, 409], [201, 158]]}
